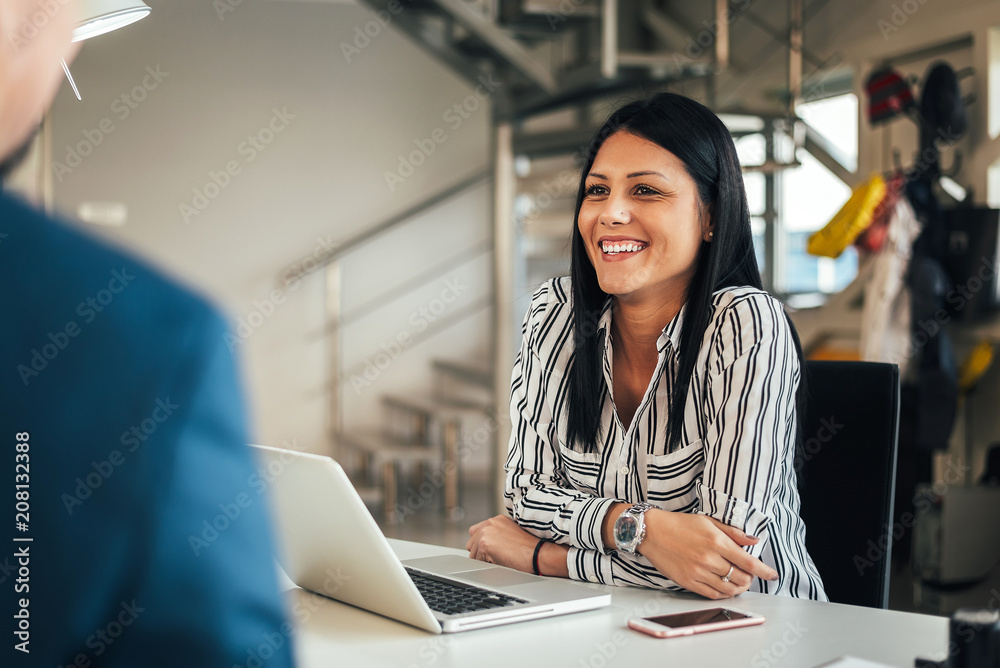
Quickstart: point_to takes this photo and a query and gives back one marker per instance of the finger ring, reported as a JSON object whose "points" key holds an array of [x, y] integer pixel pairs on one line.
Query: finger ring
{"points": [[727, 575]]}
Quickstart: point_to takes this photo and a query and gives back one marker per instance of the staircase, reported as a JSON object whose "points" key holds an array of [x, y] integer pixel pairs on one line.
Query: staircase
{"points": [[428, 437]]}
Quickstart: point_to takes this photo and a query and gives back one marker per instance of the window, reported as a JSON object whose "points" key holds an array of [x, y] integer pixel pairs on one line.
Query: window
{"points": [[812, 195], [808, 195]]}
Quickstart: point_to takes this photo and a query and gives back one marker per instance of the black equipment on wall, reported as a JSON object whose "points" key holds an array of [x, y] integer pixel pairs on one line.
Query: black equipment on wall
{"points": [[970, 259]]}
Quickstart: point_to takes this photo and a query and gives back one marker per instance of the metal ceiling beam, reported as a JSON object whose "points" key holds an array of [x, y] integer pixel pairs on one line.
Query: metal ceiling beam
{"points": [[505, 47], [780, 38], [672, 34], [540, 144], [583, 86], [432, 41]]}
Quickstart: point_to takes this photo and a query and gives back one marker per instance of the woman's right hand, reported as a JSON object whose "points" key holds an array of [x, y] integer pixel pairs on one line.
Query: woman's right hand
{"points": [[696, 551]]}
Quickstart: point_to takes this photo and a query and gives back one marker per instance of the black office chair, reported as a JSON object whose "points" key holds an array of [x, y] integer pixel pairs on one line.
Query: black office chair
{"points": [[847, 473]]}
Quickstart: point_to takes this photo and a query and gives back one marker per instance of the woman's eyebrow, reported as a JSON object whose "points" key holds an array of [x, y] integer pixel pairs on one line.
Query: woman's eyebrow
{"points": [[630, 176]]}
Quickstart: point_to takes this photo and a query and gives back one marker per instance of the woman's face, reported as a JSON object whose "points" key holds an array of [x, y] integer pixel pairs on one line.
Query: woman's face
{"points": [[642, 220]]}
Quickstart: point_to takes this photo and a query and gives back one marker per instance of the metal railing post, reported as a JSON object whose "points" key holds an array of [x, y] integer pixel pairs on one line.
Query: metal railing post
{"points": [[332, 298], [504, 190]]}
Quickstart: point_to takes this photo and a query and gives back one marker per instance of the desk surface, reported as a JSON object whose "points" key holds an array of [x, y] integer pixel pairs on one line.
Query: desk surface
{"points": [[797, 634]]}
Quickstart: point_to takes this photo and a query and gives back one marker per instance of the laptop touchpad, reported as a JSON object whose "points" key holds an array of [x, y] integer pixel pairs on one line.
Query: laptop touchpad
{"points": [[472, 570], [497, 577]]}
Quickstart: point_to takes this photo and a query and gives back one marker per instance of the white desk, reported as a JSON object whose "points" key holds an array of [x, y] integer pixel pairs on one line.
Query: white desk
{"points": [[797, 634]]}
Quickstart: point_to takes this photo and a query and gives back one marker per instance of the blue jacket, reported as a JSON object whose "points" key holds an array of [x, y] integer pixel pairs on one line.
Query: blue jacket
{"points": [[123, 436]]}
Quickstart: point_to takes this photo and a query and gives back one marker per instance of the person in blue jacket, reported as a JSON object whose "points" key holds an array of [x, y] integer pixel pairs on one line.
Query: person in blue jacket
{"points": [[131, 535]]}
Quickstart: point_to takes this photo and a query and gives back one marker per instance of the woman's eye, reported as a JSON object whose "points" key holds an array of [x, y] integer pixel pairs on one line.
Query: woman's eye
{"points": [[645, 190], [595, 190]]}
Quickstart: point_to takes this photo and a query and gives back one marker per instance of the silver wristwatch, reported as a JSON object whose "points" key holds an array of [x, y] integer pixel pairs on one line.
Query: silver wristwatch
{"points": [[630, 528]]}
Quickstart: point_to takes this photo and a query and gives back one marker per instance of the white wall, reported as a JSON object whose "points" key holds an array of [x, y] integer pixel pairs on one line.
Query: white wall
{"points": [[320, 180]]}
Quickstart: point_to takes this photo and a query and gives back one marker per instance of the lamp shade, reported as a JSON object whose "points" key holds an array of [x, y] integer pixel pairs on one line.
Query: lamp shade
{"points": [[100, 16]]}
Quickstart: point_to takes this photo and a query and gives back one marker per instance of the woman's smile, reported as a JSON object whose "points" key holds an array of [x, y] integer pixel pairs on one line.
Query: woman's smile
{"points": [[618, 249]]}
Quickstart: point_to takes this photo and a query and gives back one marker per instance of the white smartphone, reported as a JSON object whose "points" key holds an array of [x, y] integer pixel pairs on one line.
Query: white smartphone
{"points": [[697, 621]]}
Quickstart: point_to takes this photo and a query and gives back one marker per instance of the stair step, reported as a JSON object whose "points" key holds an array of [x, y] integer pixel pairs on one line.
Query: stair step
{"points": [[370, 495], [390, 447], [436, 408], [469, 372]]}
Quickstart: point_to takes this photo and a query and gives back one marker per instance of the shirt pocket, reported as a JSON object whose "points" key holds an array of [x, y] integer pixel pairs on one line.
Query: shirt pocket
{"points": [[672, 479], [581, 469]]}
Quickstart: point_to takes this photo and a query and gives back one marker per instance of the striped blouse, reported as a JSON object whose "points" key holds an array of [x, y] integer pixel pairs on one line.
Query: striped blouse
{"points": [[736, 464]]}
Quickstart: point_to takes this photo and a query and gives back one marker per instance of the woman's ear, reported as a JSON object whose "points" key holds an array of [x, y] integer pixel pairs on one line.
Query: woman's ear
{"points": [[709, 225]]}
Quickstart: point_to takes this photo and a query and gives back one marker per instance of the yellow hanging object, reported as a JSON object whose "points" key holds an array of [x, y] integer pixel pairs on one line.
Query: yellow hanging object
{"points": [[975, 365], [852, 219]]}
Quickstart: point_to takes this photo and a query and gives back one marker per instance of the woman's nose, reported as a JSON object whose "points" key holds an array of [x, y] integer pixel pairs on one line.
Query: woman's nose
{"points": [[615, 212]]}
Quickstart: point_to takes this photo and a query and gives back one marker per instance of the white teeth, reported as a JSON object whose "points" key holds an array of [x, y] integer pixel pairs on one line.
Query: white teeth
{"points": [[627, 247]]}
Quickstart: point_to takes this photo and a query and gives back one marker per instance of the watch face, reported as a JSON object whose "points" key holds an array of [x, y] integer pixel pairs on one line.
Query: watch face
{"points": [[626, 530]]}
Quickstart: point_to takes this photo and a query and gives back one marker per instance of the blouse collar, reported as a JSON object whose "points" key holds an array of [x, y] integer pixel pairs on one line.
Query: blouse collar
{"points": [[671, 333]]}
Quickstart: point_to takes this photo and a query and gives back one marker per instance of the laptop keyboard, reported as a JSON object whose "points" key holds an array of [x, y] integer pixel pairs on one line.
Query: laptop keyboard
{"points": [[452, 598]]}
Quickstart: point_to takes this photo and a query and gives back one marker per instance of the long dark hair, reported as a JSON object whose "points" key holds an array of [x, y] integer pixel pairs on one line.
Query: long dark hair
{"points": [[702, 142]]}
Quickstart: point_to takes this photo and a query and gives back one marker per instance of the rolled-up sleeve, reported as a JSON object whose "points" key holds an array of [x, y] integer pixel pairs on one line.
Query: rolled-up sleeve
{"points": [[537, 494], [750, 403]]}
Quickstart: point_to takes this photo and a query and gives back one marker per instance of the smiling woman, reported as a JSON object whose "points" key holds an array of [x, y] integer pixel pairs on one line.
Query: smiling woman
{"points": [[655, 395]]}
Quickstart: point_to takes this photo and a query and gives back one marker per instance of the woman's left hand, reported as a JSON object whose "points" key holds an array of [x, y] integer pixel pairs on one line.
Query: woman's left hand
{"points": [[499, 540]]}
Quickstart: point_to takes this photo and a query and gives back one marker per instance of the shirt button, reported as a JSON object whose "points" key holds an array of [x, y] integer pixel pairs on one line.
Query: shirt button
{"points": [[593, 578], [623, 470]]}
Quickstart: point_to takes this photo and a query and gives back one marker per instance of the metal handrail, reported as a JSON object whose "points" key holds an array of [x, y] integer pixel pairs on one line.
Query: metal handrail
{"points": [[300, 269], [462, 257], [441, 324]]}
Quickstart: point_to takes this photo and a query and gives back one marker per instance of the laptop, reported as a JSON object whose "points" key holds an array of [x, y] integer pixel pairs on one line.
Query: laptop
{"points": [[332, 546]]}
